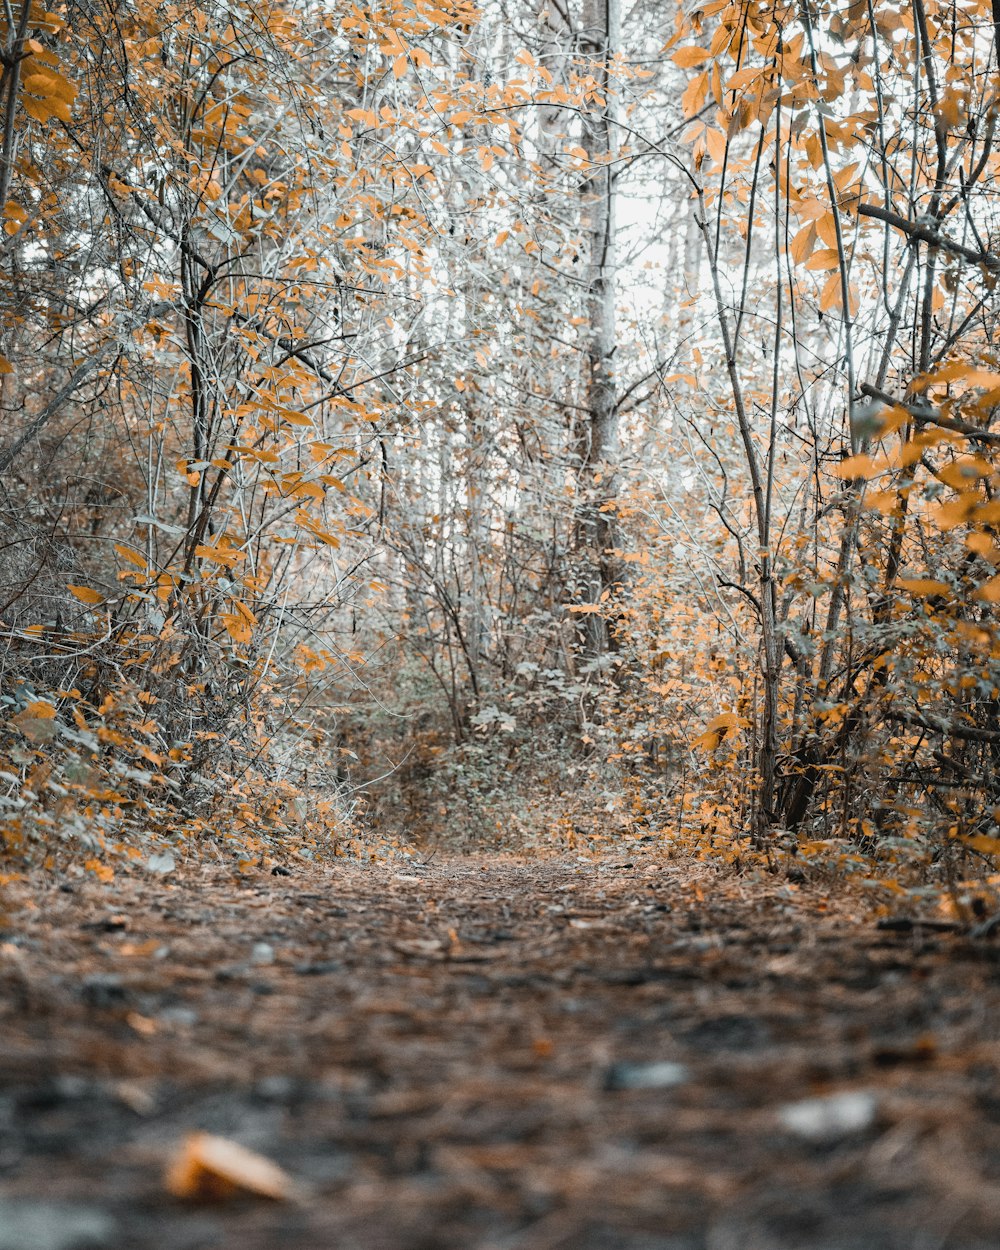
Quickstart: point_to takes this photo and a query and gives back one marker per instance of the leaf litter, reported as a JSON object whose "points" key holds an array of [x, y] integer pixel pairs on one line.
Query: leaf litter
{"points": [[447, 1063]]}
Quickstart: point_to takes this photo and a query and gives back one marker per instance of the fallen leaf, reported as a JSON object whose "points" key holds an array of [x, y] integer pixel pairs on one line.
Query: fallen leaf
{"points": [[209, 1168], [141, 1024], [137, 1096]]}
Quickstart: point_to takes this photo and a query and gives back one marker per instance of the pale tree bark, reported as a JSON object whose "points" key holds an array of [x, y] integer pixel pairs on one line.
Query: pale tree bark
{"points": [[597, 443], [11, 55], [766, 597], [477, 538]]}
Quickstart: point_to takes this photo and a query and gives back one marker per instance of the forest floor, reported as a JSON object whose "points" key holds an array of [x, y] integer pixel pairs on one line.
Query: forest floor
{"points": [[495, 1053]]}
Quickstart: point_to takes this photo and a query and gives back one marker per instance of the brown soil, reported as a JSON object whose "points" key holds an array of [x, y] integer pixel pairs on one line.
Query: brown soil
{"points": [[459, 1056]]}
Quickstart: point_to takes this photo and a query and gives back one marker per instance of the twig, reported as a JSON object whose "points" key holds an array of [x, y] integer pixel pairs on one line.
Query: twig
{"points": [[939, 725], [923, 233], [926, 414]]}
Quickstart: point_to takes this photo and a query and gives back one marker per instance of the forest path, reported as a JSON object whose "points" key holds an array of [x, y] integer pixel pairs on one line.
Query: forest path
{"points": [[495, 1053]]}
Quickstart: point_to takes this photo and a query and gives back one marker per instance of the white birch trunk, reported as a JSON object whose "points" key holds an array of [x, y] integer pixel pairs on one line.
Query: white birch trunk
{"points": [[598, 442]]}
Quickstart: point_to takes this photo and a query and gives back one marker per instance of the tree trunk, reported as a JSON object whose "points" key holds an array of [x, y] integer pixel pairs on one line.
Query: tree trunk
{"points": [[596, 448]]}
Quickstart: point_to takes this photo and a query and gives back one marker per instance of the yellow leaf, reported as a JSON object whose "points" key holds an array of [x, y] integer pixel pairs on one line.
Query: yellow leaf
{"points": [[825, 258], [226, 556], [133, 557], [40, 710], [956, 512], [842, 178], [826, 228], [5, 365], [884, 501], [717, 730], [208, 1167], [987, 513], [323, 535], [43, 81], [743, 78], [964, 471], [983, 378], [689, 57], [854, 467], [694, 95], [85, 594], [989, 591], [311, 490], [803, 243], [45, 110], [830, 297], [983, 843], [237, 628], [716, 142], [922, 587], [957, 371], [101, 871]]}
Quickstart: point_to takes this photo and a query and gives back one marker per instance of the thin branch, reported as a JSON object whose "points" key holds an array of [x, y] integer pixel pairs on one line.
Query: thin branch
{"points": [[920, 232], [938, 725], [81, 374], [926, 414]]}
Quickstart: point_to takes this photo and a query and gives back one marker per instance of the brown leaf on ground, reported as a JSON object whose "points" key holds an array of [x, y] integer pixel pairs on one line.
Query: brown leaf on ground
{"points": [[212, 1169]]}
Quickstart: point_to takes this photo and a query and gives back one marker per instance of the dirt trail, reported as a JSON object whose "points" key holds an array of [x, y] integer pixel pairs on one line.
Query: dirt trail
{"points": [[495, 1054]]}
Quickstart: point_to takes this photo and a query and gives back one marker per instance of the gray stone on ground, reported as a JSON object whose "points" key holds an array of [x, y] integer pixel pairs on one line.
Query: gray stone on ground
{"points": [[37, 1225]]}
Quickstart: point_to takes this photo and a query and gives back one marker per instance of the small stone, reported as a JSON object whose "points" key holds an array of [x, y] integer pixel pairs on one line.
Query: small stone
{"points": [[830, 1118], [71, 1088], [27, 1225], [278, 1088], [179, 1017], [103, 991], [107, 924], [230, 972], [262, 953], [663, 1074], [318, 968], [161, 864]]}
